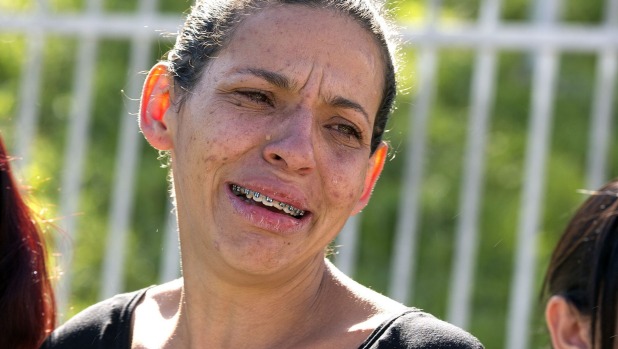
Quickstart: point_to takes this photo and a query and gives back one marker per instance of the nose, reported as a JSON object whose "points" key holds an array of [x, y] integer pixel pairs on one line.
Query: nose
{"points": [[291, 145]]}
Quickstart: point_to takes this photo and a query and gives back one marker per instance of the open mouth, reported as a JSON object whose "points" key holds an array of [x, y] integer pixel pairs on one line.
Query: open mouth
{"points": [[267, 202]]}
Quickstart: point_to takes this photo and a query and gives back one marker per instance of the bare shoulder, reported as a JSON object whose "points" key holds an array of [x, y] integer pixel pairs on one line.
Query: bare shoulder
{"points": [[363, 297], [162, 294], [385, 323], [355, 311], [154, 317]]}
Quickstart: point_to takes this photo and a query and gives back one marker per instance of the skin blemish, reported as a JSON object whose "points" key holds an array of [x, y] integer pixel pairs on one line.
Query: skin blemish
{"points": [[209, 159]]}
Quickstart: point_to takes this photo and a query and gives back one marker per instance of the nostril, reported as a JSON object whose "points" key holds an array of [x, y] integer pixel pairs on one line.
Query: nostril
{"points": [[276, 157]]}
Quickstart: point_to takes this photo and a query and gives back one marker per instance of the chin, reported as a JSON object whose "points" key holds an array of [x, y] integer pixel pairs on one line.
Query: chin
{"points": [[259, 254]]}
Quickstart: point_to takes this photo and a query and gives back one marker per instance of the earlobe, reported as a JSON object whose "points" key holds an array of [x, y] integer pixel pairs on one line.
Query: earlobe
{"points": [[155, 103], [374, 169], [568, 328]]}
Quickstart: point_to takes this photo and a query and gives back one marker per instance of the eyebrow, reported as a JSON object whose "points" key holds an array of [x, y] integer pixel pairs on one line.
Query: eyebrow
{"points": [[342, 102], [276, 79], [284, 82]]}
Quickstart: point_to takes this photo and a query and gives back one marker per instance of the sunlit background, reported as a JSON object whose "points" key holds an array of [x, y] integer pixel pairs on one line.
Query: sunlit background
{"points": [[505, 111]]}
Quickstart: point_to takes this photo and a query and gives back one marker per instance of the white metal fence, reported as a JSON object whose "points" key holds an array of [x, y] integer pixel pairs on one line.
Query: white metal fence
{"points": [[545, 38]]}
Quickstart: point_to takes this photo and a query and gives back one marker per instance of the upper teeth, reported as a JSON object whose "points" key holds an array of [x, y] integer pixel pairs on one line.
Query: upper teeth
{"points": [[267, 201]]}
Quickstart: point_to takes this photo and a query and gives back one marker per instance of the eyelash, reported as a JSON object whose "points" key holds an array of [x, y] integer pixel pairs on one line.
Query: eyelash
{"points": [[351, 130], [256, 97]]}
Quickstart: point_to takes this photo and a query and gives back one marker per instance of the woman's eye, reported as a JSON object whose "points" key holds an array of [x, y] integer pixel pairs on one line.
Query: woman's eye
{"points": [[256, 97], [347, 130]]}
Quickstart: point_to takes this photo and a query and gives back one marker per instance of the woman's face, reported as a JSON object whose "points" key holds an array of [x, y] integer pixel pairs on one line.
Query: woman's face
{"points": [[284, 115]]}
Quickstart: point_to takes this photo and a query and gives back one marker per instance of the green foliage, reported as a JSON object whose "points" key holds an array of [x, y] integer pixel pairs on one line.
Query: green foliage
{"points": [[65, 6], [441, 184], [9, 81], [175, 6], [593, 12], [516, 10], [16, 5]]}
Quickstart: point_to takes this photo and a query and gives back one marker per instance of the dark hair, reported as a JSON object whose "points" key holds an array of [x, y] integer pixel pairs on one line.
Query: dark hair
{"points": [[211, 23], [27, 305], [584, 264]]}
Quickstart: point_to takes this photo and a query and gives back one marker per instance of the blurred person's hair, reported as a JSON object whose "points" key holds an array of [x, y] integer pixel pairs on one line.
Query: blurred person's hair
{"points": [[27, 305], [584, 265]]}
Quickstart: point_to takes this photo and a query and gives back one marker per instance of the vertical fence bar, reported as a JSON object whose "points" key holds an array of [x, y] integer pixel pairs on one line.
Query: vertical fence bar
{"points": [[531, 209], [546, 12], [127, 154], [75, 151], [600, 128], [462, 278], [403, 261], [30, 90], [522, 283], [170, 263], [347, 246]]}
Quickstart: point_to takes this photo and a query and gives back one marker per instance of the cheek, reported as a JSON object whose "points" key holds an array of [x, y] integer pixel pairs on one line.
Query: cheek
{"points": [[208, 145], [351, 194], [344, 182]]}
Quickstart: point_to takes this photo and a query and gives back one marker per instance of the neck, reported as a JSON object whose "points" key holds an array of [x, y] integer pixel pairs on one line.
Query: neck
{"points": [[218, 313]]}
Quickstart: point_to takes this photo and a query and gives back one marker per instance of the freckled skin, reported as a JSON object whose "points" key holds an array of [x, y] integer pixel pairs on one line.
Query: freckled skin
{"points": [[226, 137]]}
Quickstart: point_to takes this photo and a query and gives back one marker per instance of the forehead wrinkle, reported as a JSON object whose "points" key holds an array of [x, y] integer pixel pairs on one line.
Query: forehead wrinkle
{"points": [[333, 100]]}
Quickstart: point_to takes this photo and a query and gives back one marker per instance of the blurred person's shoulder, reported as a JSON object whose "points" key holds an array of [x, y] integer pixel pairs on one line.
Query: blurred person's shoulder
{"points": [[106, 324], [415, 329]]}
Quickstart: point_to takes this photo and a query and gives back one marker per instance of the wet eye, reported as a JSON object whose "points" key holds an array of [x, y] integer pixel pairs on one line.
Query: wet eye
{"points": [[256, 97], [347, 130]]}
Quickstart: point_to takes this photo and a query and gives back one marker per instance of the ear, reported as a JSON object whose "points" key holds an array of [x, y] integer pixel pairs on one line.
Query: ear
{"points": [[154, 106], [376, 164], [567, 327]]}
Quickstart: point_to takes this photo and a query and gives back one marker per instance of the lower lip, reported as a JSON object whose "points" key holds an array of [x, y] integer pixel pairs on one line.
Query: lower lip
{"points": [[263, 218]]}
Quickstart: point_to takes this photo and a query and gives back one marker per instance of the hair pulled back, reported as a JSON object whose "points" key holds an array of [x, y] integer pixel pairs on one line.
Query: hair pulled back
{"points": [[211, 24], [584, 265]]}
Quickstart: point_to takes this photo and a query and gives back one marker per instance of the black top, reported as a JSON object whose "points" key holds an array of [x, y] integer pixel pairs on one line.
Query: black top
{"points": [[108, 325]]}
